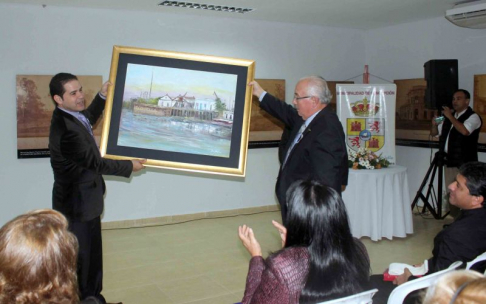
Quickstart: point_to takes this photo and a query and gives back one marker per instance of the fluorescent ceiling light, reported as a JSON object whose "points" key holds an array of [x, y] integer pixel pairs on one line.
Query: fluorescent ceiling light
{"points": [[203, 6]]}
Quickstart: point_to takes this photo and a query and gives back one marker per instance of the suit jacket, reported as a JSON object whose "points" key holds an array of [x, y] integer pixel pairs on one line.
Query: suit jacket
{"points": [[320, 155], [78, 166], [462, 240]]}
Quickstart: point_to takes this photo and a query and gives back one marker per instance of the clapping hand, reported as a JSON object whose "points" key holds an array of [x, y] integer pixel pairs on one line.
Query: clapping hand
{"points": [[282, 230], [248, 239]]}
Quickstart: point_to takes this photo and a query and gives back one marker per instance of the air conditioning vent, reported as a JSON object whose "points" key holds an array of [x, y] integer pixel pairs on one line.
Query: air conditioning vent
{"points": [[470, 15]]}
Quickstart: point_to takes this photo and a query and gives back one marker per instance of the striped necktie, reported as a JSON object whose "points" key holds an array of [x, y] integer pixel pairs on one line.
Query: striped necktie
{"points": [[297, 138]]}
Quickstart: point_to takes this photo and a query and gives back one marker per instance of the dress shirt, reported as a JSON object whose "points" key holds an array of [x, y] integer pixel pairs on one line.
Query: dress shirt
{"points": [[83, 119], [471, 124]]}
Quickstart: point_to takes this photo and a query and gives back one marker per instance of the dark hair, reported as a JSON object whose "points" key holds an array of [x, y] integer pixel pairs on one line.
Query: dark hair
{"points": [[475, 174], [466, 93], [317, 219], [56, 86]]}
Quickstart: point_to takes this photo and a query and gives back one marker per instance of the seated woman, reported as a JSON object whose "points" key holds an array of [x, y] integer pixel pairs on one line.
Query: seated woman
{"points": [[461, 286], [319, 261], [38, 260]]}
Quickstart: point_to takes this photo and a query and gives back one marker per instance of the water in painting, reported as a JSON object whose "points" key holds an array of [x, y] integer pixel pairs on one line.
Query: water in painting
{"points": [[178, 110]]}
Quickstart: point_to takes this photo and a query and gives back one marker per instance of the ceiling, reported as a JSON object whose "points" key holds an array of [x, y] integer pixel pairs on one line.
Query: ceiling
{"points": [[357, 14]]}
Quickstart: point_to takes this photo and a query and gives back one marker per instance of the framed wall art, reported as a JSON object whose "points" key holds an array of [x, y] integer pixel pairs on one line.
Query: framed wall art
{"points": [[266, 130], [479, 106], [34, 112], [412, 117], [180, 111]]}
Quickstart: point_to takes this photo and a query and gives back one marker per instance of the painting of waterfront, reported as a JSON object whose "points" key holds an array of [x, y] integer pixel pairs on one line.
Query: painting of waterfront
{"points": [[177, 110]]}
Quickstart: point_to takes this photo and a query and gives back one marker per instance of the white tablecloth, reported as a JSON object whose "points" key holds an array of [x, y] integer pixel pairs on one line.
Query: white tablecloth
{"points": [[378, 203]]}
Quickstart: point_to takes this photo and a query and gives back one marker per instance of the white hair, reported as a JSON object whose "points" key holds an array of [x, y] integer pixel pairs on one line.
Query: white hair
{"points": [[318, 87]]}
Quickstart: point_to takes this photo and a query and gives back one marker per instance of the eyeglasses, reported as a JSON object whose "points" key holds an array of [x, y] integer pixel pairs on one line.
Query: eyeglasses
{"points": [[303, 97]]}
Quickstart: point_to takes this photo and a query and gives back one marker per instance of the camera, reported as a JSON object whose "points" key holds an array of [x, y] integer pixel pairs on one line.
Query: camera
{"points": [[439, 119]]}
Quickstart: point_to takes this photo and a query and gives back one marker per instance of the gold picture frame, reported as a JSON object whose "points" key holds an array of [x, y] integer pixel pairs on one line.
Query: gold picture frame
{"points": [[179, 111]]}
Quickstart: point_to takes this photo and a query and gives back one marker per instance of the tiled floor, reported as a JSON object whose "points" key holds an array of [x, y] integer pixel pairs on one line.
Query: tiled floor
{"points": [[203, 261]]}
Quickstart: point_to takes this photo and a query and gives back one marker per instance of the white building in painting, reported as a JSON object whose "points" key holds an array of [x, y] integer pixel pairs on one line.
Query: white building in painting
{"points": [[165, 101], [228, 115], [204, 104]]}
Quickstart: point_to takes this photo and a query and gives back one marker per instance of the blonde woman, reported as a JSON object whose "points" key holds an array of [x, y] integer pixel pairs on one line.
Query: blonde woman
{"points": [[38, 260], [458, 287]]}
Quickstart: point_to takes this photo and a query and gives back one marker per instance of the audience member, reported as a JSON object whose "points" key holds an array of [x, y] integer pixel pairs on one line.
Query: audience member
{"points": [[320, 260], [38, 260], [464, 239], [458, 287]]}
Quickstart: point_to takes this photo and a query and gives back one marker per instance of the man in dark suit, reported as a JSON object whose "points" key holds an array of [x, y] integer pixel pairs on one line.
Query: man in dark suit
{"points": [[316, 148], [463, 240], [78, 167]]}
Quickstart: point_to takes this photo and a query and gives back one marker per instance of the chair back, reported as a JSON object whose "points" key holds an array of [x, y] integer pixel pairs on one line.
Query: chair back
{"points": [[479, 258], [400, 292], [359, 298]]}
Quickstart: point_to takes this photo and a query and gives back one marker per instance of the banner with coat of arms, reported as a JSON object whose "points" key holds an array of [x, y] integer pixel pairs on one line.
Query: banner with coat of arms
{"points": [[367, 113]]}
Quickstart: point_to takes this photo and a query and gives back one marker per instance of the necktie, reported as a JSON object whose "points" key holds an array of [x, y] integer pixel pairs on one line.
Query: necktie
{"points": [[86, 123], [297, 138]]}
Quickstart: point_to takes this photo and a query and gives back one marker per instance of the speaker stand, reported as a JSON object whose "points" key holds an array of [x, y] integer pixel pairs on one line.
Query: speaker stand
{"points": [[437, 166]]}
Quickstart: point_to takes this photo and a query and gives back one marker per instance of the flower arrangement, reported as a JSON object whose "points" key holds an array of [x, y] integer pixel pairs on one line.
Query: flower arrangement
{"points": [[366, 159]]}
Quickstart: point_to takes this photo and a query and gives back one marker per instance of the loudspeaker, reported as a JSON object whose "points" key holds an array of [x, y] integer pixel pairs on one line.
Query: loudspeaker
{"points": [[442, 81]]}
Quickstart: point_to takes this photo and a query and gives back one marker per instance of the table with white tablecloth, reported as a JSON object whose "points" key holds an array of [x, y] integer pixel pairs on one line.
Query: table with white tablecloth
{"points": [[378, 203]]}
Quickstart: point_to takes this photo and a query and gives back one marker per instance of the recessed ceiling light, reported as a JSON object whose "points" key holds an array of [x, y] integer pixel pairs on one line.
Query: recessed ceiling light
{"points": [[218, 8]]}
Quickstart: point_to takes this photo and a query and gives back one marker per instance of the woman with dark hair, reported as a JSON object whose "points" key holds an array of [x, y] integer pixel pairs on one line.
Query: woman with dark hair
{"points": [[319, 261]]}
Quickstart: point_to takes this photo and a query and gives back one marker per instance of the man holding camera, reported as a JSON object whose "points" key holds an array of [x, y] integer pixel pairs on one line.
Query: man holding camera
{"points": [[458, 136]]}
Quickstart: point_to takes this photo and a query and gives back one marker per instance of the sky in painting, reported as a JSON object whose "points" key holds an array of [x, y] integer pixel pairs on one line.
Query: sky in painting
{"points": [[173, 81]]}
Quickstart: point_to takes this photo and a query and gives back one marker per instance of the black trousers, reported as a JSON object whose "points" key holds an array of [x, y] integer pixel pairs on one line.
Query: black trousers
{"points": [[385, 288], [90, 257]]}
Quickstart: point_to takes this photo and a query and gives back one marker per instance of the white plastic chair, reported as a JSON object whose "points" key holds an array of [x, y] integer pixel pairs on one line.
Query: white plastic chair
{"points": [[359, 298], [479, 258], [400, 292]]}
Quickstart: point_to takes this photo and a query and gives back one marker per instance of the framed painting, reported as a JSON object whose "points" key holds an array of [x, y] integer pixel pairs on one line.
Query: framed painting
{"points": [[480, 107], [266, 130], [412, 117], [34, 112], [332, 87], [179, 111]]}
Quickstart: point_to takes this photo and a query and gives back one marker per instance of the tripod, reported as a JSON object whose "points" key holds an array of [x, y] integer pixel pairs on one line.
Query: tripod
{"points": [[436, 165]]}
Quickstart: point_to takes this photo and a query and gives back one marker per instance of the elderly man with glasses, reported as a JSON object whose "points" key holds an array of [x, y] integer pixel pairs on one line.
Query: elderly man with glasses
{"points": [[316, 148]]}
